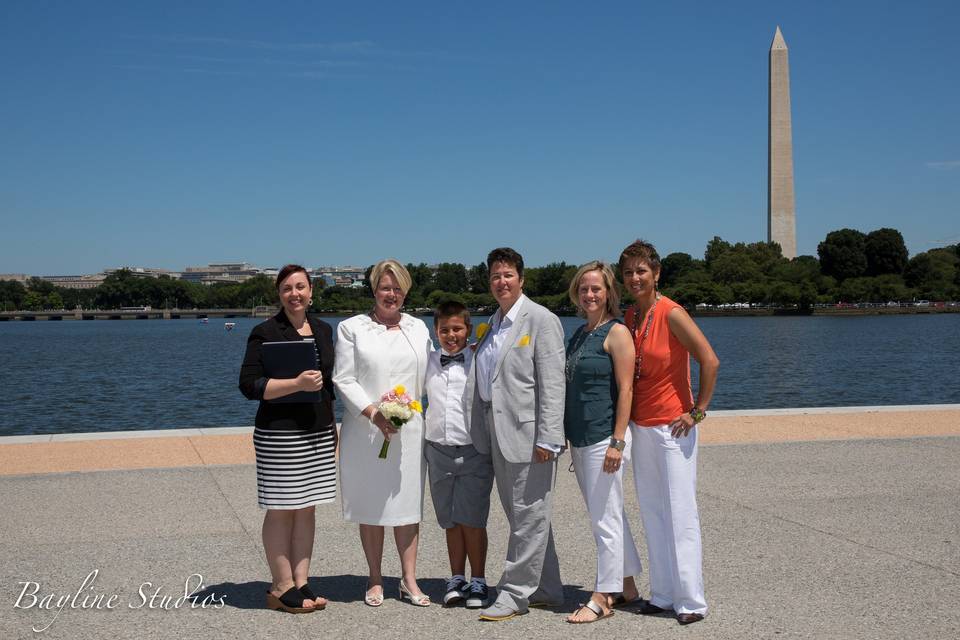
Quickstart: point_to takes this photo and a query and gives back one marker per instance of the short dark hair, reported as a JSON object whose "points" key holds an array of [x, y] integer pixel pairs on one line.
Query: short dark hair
{"points": [[643, 250], [287, 270], [506, 255], [449, 309]]}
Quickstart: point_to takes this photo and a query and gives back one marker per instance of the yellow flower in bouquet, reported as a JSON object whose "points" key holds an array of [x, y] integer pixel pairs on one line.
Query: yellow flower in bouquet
{"points": [[397, 407]]}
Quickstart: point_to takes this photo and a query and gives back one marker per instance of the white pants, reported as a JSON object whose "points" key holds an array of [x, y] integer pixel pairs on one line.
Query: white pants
{"points": [[665, 473], [617, 554]]}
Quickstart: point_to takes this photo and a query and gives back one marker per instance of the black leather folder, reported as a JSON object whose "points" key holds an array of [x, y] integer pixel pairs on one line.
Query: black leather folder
{"points": [[288, 359]]}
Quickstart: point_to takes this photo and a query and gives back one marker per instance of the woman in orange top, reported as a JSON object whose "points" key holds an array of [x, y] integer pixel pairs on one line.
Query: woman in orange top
{"points": [[663, 421]]}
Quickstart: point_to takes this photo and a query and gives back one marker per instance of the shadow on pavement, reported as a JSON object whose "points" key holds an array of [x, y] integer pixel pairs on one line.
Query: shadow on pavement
{"points": [[342, 588], [243, 595]]}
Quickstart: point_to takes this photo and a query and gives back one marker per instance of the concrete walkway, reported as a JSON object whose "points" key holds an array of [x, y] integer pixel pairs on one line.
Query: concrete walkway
{"points": [[816, 524]]}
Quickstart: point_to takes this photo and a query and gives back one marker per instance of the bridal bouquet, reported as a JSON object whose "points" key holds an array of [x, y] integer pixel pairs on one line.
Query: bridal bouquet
{"points": [[398, 407]]}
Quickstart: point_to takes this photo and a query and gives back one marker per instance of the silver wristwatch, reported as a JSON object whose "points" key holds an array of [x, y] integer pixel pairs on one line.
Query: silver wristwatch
{"points": [[617, 444]]}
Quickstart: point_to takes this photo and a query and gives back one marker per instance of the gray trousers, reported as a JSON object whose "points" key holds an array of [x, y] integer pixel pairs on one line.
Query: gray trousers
{"points": [[526, 493]]}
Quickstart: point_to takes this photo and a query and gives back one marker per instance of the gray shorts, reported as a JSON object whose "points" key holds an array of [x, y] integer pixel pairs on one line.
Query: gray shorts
{"points": [[461, 479]]}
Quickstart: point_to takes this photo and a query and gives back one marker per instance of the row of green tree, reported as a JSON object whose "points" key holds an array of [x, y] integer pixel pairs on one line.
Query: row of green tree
{"points": [[431, 285], [123, 289], [850, 266]]}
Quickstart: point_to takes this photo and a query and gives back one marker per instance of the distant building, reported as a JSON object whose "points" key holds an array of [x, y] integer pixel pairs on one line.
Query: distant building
{"points": [[319, 277], [229, 272], [76, 282], [17, 277], [143, 272], [233, 267], [340, 276]]}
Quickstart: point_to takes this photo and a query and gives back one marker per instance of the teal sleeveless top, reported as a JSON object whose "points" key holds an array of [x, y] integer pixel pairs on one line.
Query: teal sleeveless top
{"points": [[591, 399]]}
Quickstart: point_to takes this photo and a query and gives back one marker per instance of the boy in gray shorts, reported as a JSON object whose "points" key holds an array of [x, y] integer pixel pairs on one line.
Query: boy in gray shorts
{"points": [[460, 477]]}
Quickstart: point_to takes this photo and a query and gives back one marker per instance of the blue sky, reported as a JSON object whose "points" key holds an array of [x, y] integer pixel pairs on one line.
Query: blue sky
{"points": [[169, 134]]}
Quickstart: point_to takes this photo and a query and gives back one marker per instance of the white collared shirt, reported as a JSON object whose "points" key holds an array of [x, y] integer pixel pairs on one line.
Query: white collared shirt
{"points": [[489, 351], [446, 403]]}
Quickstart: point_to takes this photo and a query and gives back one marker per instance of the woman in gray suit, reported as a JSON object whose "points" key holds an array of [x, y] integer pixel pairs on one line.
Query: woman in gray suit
{"points": [[515, 392]]}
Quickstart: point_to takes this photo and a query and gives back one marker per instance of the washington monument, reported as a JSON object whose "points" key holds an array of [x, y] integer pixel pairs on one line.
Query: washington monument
{"points": [[781, 209]]}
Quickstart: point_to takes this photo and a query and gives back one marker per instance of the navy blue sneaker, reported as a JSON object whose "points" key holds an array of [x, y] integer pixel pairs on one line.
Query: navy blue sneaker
{"points": [[455, 592], [477, 594]]}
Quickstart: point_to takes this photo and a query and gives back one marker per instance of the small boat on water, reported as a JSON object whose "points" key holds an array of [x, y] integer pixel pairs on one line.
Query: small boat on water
{"points": [[204, 320], [229, 325]]}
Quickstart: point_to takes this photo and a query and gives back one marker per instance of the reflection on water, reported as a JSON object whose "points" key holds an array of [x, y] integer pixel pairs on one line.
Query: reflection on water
{"points": [[75, 376]]}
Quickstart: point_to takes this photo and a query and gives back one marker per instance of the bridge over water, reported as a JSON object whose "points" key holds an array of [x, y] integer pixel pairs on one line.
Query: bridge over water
{"points": [[137, 314]]}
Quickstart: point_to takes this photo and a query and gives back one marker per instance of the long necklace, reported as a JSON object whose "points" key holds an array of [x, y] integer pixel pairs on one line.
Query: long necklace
{"points": [[638, 362], [574, 358]]}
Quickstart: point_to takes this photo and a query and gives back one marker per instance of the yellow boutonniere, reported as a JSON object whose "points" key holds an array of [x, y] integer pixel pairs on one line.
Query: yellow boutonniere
{"points": [[482, 329], [416, 406], [524, 341], [399, 389]]}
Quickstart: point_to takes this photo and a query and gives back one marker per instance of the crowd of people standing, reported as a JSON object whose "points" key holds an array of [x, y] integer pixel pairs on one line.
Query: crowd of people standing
{"points": [[500, 412]]}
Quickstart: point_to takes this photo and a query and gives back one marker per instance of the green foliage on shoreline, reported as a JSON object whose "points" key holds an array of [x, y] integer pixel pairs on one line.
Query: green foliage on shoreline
{"points": [[548, 285], [123, 289], [851, 267]]}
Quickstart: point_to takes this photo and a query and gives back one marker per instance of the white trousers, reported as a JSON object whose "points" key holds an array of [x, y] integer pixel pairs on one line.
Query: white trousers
{"points": [[665, 473], [617, 554]]}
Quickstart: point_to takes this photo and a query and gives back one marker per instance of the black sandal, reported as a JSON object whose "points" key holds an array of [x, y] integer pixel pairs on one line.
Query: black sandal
{"points": [[308, 594], [619, 601], [291, 601], [647, 608], [689, 618]]}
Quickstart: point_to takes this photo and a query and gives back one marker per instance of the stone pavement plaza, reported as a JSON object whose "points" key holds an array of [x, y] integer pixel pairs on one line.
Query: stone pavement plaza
{"points": [[816, 524]]}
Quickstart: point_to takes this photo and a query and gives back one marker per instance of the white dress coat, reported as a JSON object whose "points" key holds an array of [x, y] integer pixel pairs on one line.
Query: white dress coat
{"points": [[371, 360]]}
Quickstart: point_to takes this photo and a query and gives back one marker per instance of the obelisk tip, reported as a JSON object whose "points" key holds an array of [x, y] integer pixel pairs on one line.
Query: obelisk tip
{"points": [[778, 41]]}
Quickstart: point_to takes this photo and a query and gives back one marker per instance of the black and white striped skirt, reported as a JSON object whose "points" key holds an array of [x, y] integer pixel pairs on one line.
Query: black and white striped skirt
{"points": [[295, 469]]}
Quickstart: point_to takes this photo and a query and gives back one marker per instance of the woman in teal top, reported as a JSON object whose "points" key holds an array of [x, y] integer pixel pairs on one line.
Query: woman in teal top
{"points": [[599, 373]]}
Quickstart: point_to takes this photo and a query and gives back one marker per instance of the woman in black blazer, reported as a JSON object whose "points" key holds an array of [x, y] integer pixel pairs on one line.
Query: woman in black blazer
{"points": [[295, 443]]}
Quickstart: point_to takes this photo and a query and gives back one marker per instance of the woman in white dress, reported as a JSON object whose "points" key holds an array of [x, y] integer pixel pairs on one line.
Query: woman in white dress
{"points": [[375, 352]]}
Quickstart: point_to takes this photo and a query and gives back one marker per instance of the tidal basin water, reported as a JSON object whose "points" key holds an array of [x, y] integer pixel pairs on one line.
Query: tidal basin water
{"points": [[103, 375]]}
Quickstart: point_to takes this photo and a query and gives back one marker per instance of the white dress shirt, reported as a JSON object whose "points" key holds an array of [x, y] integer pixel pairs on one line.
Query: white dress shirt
{"points": [[446, 406], [489, 352]]}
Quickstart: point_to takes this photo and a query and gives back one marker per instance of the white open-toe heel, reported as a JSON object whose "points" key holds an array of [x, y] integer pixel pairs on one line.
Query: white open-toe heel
{"points": [[373, 599], [422, 600]]}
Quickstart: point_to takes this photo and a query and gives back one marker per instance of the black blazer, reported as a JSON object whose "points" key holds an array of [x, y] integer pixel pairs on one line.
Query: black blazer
{"points": [[293, 415]]}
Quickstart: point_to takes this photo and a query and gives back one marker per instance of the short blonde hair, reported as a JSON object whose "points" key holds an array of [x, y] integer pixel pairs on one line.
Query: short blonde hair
{"points": [[398, 270], [609, 280]]}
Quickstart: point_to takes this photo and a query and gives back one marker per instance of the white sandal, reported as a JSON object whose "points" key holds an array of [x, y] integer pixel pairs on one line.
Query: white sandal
{"points": [[373, 600], [595, 608], [422, 600]]}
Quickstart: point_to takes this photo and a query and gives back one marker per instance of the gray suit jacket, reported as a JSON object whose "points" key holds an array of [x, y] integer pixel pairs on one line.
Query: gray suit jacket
{"points": [[528, 387]]}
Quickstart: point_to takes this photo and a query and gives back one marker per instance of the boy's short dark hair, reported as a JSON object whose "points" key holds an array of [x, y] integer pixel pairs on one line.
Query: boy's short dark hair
{"points": [[506, 255], [450, 308]]}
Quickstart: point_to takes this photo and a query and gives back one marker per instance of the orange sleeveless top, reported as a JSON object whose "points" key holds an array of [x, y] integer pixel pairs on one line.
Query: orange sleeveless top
{"points": [[663, 390]]}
